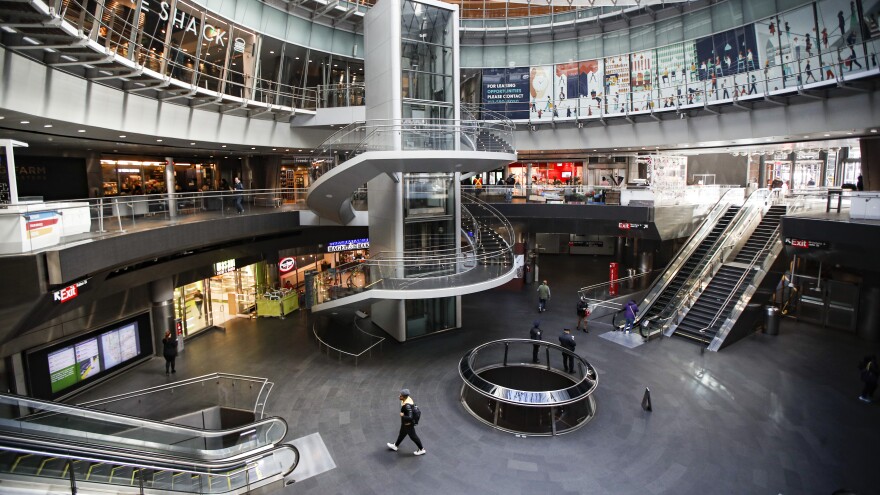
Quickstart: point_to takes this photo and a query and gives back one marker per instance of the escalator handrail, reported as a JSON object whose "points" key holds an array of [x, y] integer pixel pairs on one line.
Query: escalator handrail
{"points": [[138, 422], [660, 284], [181, 383], [716, 251], [768, 244], [171, 466]]}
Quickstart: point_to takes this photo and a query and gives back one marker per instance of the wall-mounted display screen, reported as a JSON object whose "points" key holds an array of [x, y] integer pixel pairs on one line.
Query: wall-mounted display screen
{"points": [[62, 368]]}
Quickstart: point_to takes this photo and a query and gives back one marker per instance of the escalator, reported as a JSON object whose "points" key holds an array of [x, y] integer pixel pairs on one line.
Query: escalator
{"points": [[658, 305], [715, 312], [48, 444]]}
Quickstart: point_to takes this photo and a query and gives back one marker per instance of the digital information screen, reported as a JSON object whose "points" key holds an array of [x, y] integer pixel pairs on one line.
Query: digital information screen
{"points": [[62, 368]]}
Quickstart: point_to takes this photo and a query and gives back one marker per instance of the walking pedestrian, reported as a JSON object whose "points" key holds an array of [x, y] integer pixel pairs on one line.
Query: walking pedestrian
{"points": [[566, 340], [869, 376], [239, 187], [535, 334], [583, 312], [169, 350], [630, 312], [408, 421], [543, 296], [199, 301]]}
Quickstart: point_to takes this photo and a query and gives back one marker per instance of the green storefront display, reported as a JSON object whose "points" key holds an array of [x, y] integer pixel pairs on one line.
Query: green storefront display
{"points": [[278, 307]]}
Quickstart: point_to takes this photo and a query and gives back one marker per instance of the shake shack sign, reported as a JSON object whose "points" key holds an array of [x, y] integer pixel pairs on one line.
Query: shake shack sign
{"points": [[190, 22], [805, 244]]}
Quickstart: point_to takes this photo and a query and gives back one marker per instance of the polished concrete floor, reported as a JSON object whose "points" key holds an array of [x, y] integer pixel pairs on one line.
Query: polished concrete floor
{"points": [[768, 415]]}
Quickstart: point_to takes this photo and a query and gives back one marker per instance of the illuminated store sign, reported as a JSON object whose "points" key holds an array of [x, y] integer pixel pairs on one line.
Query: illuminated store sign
{"points": [[190, 23], [335, 247], [224, 267], [286, 264], [69, 292]]}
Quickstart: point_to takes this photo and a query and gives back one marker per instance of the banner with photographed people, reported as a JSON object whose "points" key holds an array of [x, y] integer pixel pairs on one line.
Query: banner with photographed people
{"points": [[565, 88], [616, 85], [642, 73], [591, 88]]}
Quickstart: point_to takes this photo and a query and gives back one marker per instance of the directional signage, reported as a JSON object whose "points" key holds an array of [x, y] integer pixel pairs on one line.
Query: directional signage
{"points": [[631, 226], [805, 244]]}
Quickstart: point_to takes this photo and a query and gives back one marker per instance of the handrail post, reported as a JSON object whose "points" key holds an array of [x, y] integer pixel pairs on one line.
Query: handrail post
{"points": [[72, 477]]}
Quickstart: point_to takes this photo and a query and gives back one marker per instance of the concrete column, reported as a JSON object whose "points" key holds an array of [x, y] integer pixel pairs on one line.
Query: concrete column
{"points": [[870, 163], [620, 250], [94, 175], [646, 261], [162, 310], [762, 171], [170, 185], [823, 175]]}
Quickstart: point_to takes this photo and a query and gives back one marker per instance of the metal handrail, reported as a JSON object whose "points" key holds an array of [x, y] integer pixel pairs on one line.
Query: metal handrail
{"points": [[719, 249], [265, 384], [582, 291], [157, 463], [766, 247], [466, 367]]}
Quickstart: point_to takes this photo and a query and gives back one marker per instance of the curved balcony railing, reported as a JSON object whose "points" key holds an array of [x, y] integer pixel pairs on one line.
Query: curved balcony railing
{"points": [[413, 135], [699, 87], [534, 398], [420, 269], [111, 39]]}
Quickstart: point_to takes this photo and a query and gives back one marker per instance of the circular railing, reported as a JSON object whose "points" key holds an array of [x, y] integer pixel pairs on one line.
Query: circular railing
{"points": [[518, 386]]}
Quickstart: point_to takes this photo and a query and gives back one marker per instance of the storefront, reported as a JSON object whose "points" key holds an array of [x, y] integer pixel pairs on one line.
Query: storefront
{"points": [[548, 173], [231, 292], [145, 176]]}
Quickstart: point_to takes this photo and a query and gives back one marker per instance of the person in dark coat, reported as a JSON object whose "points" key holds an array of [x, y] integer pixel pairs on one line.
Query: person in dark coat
{"points": [[566, 340], [870, 373], [169, 350], [535, 334], [407, 424], [630, 312]]}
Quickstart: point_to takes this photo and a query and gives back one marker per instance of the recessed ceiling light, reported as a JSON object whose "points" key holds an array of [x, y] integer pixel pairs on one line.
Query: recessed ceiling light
{"points": [[122, 136], [805, 137], [81, 130], [192, 144], [827, 135], [298, 150], [47, 125], [2, 117], [253, 148], [25, 121], [223, 146], [274, 149], [158, 140], [288, 149], [272, 52], [872, 130], [849, 134]]}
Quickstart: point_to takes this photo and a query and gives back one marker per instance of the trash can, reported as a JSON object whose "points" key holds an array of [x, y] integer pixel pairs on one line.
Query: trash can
{"points": [[771, 320]]}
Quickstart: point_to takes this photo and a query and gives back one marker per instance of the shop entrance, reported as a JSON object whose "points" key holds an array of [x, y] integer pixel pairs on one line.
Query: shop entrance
{"points": [[213, 301]]}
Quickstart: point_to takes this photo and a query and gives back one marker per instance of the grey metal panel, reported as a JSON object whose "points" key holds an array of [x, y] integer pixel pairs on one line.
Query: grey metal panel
{"points": [[850, 244]]}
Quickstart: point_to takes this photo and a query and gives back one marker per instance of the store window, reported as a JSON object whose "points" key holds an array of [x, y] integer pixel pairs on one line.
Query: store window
{"points": [[192, 306], [132, 177]]}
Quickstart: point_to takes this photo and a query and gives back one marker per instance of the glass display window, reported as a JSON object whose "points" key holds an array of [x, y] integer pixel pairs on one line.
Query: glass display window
{"points": [[192, 305]]}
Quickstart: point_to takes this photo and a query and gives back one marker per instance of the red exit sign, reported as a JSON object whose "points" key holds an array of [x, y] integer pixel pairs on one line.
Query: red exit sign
{"points": [[805, 244], [630, 226], [69, 292]]}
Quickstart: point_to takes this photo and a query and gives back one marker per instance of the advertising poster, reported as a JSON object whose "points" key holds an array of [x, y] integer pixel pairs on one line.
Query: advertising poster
{"points": [[506, 91], [724, 61], [769, 55], [591, 90], [541, 93], [642, 74], [62, 369], [616, 85], [677, 80], [566, 91]]}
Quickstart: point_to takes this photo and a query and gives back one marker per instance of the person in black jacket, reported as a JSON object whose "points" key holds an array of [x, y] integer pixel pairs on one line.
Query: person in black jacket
{"points": [[535, 334], [407, 424], [567, 340], [869, 375], [169, 350]]}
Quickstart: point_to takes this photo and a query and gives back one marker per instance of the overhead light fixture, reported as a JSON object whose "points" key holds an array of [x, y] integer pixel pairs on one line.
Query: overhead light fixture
{"points": [[47, 125], [158, 140], [253, 148], [223, 146], [25, 122], [192, 144], [122, 136], [872, 130], [827, 135], [81, 130]]}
